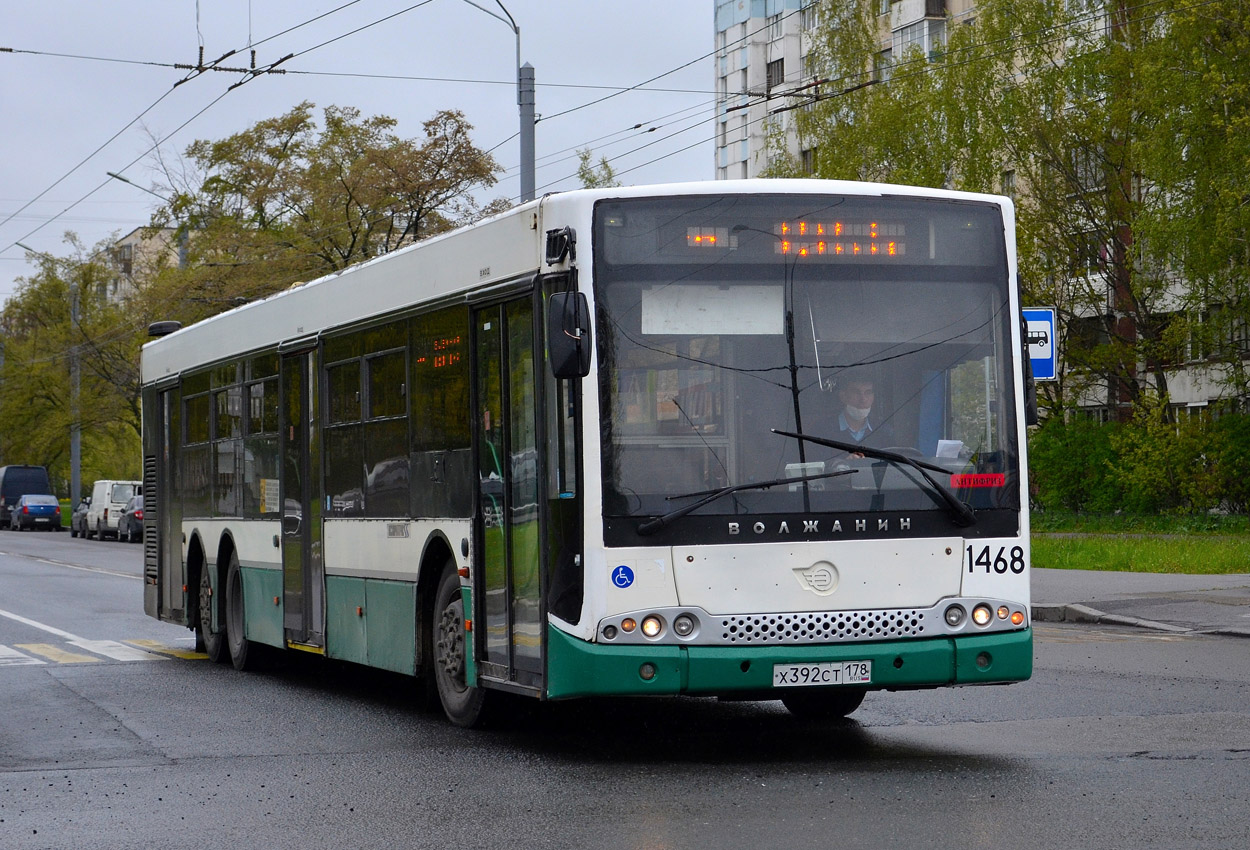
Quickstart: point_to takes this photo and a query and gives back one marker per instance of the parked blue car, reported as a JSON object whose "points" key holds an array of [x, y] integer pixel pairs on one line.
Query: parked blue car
{"points": [[36, 512]]}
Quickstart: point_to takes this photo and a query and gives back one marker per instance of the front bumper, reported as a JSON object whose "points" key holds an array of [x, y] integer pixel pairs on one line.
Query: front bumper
{"points": [[576, 668]]}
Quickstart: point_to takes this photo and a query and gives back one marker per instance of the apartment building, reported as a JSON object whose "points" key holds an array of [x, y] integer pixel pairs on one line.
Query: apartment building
{"points": [[138, 254], [762, 71], [762, 68]]}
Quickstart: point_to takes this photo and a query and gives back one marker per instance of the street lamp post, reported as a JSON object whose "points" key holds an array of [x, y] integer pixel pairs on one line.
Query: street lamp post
{"points": [[182, 238], [524, 99]]}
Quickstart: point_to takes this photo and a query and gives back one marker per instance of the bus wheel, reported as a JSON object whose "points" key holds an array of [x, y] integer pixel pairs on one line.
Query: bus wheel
{"points": [[464, 706], [214, 642], [823, 703], [244, 654]]}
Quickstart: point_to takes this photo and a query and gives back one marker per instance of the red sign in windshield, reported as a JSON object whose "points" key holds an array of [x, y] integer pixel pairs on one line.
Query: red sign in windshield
{"points": [[986, 479]]}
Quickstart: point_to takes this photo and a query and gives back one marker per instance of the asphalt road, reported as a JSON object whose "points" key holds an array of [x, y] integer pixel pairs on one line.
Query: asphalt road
{"points": [[1124, 737]]}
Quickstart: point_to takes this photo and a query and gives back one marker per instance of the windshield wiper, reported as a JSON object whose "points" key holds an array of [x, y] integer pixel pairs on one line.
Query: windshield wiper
{"points": [[653, 525], [960, 512]]}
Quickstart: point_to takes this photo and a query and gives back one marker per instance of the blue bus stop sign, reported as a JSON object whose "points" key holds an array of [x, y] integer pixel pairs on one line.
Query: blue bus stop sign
{"points": [[1039, 339]]}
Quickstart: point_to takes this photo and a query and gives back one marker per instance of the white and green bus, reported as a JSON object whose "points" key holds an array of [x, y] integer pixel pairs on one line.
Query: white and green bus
{"points": [[595, 446]]}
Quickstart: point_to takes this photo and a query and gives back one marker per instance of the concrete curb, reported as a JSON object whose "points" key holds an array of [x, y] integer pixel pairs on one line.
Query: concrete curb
{"points": [[1084, 614], [1226, 632]]}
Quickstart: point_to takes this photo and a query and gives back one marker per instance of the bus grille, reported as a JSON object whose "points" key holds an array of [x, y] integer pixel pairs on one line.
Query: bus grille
{"points": [[822, 627]]}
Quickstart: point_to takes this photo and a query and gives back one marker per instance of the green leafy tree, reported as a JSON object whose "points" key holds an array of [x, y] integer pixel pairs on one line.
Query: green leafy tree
{"points": [[595, 176], [281, 202], [40, 339], [1229, 449], [1198, 147], [287, 200], [1071, 466], [1120, 129]]}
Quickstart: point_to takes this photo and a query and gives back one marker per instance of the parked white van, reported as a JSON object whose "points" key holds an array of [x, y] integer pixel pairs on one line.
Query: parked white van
{"points": [[108, 498]]}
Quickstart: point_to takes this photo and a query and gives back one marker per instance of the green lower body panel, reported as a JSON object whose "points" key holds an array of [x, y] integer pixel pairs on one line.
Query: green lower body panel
{"points": [[345, 628], [262, 615], [373, 622], [576, 668]]}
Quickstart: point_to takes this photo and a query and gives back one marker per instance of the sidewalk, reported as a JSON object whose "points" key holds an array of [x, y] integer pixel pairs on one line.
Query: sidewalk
{"points": [[1185, 604]]}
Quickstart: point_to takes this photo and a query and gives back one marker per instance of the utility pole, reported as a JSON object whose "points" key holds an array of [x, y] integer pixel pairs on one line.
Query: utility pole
{"points": [[75, 427], [525, 97]]}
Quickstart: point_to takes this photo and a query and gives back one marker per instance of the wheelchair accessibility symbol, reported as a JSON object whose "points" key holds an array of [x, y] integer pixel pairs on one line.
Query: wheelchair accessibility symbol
{"points": [[622, 576]]}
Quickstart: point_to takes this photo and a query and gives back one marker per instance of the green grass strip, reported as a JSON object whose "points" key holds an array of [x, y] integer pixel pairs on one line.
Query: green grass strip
{"points": [[1206, 523], [1192, 554]]}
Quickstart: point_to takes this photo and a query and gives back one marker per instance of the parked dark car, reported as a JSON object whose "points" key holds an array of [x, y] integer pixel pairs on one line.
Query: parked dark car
{"points": [[78, 519], [42, 512], [130, 523]]}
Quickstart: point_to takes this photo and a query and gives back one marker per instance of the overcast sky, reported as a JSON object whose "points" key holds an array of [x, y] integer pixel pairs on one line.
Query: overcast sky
{"points": [[90, 85]]}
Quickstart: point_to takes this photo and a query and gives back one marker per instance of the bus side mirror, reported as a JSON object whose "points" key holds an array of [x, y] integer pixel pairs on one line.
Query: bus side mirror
{"points": [[568, 334]]}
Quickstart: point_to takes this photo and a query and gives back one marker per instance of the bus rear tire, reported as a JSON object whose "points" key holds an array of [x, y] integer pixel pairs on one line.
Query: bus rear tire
{"points": [[214, 643], [823, 703], [464, 705], [244, 654]]}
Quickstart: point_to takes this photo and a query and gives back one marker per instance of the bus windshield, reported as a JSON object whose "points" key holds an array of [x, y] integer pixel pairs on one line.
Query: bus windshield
{"points": [[874, 321]]}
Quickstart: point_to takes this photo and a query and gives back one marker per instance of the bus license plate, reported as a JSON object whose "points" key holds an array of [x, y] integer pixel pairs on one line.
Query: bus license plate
{"points": [[823, 673]]}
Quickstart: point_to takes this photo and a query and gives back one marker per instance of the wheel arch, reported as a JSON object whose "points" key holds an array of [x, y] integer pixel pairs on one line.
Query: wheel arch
{"points": [[225, 548], [437, 551], [196, 564]]}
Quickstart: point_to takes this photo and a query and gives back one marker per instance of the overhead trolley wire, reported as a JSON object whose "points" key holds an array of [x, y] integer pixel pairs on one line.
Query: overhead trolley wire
{"points": [[195, 72]]}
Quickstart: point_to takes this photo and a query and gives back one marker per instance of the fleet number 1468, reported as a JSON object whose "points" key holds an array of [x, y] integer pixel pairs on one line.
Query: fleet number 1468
{"points": [[1000, 562]]}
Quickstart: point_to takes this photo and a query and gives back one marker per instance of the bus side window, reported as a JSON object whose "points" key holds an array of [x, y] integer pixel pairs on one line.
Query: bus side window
{"points": [[438, 400]]}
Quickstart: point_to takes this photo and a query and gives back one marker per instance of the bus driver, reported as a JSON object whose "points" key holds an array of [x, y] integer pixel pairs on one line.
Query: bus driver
{"points": [[856, 395]]}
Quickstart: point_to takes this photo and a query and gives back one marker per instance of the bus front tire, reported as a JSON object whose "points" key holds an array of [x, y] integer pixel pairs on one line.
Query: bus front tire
{"points": [[214, 643], [823, 703], [464, 705]]}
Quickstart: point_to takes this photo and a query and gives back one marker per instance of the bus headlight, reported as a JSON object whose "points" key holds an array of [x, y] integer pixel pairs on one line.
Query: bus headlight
{"points": [[981, 615], [683, 625], [652, 625], [954, 616]]}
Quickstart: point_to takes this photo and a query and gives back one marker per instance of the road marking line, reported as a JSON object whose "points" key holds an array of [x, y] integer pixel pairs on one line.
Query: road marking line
{"points": [[55, 653], [116, 651], [80, 567], [42, 626], [10, 657], [157, 646]]}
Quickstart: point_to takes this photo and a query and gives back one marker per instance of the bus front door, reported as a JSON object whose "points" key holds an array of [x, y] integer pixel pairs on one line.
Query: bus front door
{"points": [[508, 598], [302, 580]]}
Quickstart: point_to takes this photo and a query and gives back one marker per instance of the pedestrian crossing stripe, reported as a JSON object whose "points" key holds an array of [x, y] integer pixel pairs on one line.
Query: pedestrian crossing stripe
{"points": [[31, 654], [116, 651], [10, 657], [157, 646], [55, 653]]}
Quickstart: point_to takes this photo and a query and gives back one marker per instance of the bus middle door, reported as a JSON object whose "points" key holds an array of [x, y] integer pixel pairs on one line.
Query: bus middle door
{"points": [[302, 573]]}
